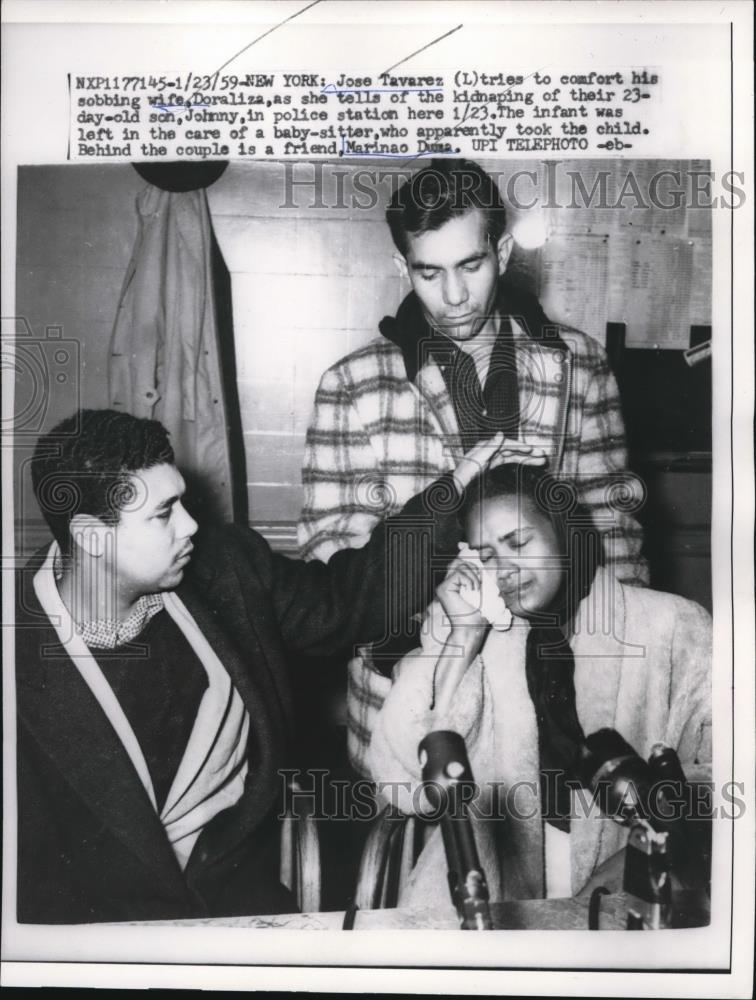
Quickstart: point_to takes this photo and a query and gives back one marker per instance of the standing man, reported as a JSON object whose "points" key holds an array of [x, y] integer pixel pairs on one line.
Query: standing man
{"points": [[466, 356]]}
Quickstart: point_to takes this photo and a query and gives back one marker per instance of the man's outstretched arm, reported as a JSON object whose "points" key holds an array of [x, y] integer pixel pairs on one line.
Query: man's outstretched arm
{"points": [[364, 595]]}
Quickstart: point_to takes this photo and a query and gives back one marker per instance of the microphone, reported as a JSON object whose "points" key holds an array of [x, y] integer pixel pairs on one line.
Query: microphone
{"points": [[621, 781], [629, 789], [446, 776], [632, 792]]}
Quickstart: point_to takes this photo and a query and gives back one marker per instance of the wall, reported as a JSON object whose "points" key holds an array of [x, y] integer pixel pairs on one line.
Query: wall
{"points": [[76, 228], [309, 285]]}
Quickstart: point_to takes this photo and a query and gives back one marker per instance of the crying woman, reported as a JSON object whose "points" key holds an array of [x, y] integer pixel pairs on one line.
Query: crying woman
{"points": [[574, 651]]}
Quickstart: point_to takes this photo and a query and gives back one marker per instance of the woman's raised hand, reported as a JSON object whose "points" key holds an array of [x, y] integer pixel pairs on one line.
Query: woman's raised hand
{"points": [[459, 594]]}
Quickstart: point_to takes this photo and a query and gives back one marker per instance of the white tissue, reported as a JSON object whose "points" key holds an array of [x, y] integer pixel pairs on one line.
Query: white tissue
{"points": [[488, 601]]}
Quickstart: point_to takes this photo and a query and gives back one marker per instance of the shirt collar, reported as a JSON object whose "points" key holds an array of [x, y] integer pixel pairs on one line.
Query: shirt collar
{"points": [[108, 633]]}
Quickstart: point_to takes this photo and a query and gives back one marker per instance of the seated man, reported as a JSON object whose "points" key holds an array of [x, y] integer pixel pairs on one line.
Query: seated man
{"points": [[579, 652], [153, 698]]}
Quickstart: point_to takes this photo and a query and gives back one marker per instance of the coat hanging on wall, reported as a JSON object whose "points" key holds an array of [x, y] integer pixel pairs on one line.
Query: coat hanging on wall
{"points": [[181, 175], [164, 359]]}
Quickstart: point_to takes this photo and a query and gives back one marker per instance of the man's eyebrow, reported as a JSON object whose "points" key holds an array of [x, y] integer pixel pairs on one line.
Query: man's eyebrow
{"points": [[473, 258], [168, 502]]}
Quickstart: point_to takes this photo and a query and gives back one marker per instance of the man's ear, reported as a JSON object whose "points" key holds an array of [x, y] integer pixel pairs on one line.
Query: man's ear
{"points": [[400, 263], [503, 250], [88, 533]]}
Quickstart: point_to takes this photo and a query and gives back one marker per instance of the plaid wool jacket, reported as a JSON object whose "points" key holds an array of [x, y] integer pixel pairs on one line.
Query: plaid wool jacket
{"points": [[383, 427]]}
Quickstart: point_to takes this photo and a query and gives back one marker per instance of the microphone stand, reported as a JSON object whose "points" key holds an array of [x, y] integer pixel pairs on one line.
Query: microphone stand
{"points": [[447, 777], [647, 880]]}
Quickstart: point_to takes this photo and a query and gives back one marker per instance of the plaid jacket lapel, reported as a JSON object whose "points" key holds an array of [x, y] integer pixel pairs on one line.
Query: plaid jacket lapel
{"points": [[544, 376], [431, 386]]}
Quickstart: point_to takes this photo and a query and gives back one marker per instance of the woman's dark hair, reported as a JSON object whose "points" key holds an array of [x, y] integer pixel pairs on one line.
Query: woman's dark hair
{"points": [[82, 466], [444, 190], [555, 498]]}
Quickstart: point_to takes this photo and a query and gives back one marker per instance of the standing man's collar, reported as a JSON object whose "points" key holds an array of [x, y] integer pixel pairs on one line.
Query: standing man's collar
{"points": [[418, 341], [411, 333]]}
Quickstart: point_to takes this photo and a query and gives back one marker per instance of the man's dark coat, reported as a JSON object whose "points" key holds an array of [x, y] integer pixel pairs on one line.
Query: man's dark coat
{"points": [[90, 845]]}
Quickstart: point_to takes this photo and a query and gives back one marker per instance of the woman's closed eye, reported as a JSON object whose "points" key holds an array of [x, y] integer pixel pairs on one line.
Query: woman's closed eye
{"points": [[517, 542]]}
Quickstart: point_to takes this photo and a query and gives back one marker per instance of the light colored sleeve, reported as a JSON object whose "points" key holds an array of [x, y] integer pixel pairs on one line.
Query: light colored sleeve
{"points": [[343, 499], [406, 716], [689, 722], [367, 689], [604, 484]]}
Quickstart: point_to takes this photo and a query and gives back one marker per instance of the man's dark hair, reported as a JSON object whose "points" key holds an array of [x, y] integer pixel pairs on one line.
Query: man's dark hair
{"points": [[444, 190], [87, 471]]}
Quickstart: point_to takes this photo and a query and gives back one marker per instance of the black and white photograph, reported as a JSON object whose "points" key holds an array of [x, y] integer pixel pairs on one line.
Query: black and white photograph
{"points": [[371, 510]]}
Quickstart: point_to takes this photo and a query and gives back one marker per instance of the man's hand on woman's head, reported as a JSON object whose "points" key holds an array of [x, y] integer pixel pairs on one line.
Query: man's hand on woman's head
{"points": [[492, 452]]}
